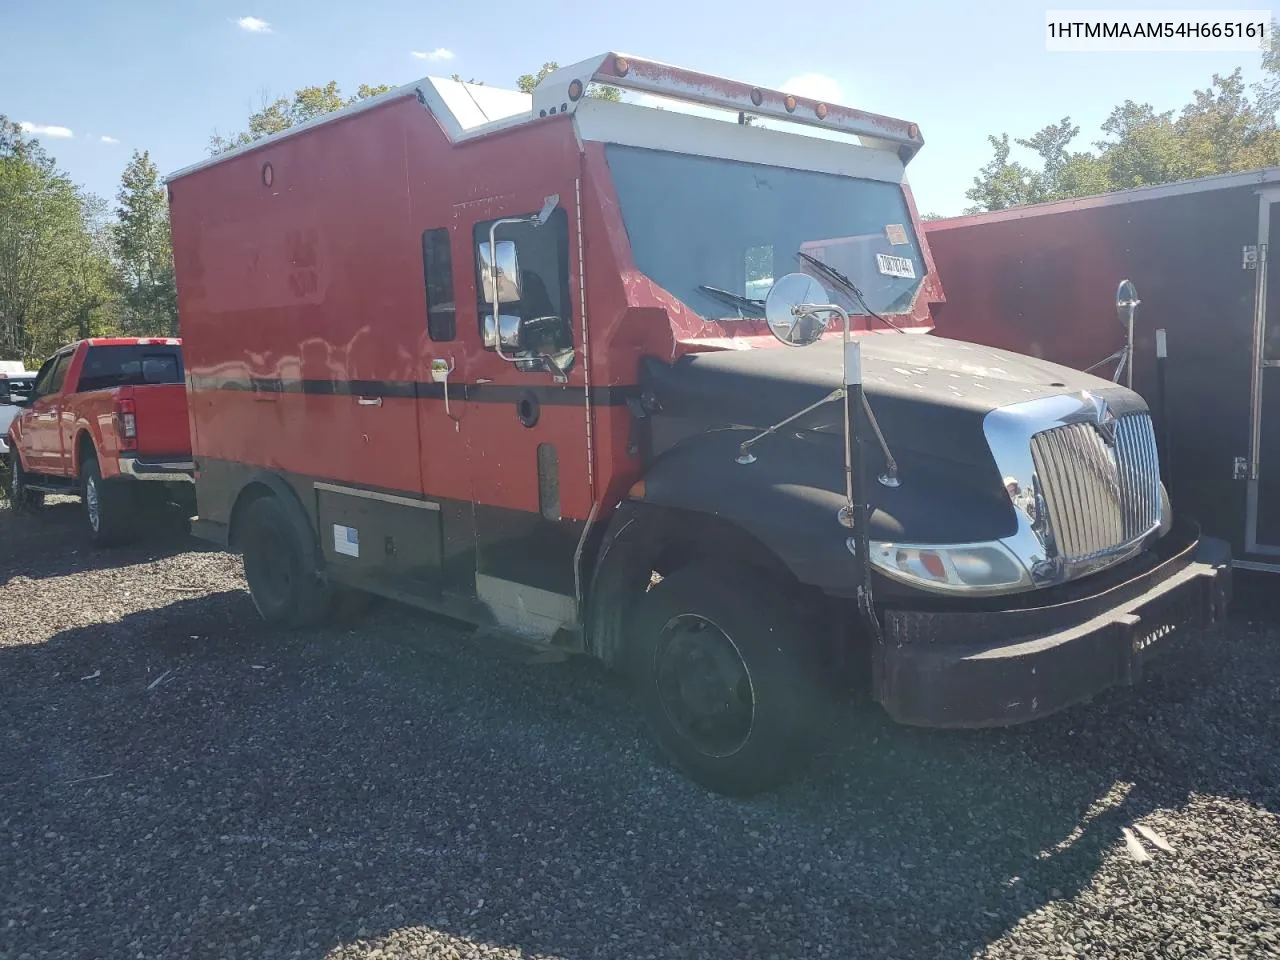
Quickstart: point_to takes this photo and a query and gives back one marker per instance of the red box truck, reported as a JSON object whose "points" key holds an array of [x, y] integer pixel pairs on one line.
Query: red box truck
{"points": [[510, 357]]}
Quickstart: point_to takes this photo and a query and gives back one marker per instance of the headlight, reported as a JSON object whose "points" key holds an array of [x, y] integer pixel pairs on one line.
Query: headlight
{"points": [[961, 568]]}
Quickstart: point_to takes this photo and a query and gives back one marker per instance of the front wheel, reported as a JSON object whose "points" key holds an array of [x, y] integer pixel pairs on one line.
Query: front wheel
{"points": [[726, 677], [21, 497]]}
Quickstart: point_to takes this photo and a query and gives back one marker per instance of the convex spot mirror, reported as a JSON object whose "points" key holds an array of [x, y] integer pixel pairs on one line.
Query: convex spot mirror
{"points": [[508, 267], [1126, 302], [510, 326], [792, 327]]}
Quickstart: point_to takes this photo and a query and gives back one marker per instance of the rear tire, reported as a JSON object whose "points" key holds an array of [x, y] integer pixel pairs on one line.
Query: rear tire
{"points": [[21, 498], [286, 589], [727, 679], [108, 506]]}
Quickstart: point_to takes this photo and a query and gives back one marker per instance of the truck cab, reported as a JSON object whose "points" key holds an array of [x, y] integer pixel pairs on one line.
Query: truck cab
{"points": [[659, 387]]}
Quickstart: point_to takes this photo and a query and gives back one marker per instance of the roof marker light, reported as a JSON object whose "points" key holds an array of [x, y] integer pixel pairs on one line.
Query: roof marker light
{"points": [[575, 89], [622, 65], [790, 104], [913, 131], [757, 96], [821, 111]]}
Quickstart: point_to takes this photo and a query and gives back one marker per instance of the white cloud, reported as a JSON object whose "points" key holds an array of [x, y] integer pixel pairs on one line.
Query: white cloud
{"points": [[817, 86], [106, 139], [253, 25], [439, 53], [45, 129]]}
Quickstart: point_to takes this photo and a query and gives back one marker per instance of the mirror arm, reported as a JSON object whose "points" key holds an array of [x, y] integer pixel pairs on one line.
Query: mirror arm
{"points": [[493, 273], [890, 476], [744, 454]]}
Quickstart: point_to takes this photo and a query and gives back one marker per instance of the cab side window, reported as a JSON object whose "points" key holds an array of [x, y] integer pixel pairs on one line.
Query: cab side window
{"points": [[43, 376], [52, 373], [437, 269], [535, 304]]}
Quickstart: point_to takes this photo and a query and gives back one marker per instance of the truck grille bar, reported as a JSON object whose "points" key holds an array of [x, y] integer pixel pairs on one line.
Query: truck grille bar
{"points": [[1100, 497]]}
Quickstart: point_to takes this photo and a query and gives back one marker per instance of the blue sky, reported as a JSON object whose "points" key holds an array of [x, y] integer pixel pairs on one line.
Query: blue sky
{"points": [[163, 76]]}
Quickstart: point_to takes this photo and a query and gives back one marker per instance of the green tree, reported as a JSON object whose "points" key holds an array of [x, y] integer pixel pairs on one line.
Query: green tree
{"points": [[144, 250], [41, 224], [307, 103], [527, 82], [1226, 128], [92, 305]]}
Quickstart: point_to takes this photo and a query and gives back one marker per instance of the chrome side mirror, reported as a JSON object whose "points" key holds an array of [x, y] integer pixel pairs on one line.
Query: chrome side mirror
{"points": [[795, 328], [1126, 303], [509, 326], [508, 271]]}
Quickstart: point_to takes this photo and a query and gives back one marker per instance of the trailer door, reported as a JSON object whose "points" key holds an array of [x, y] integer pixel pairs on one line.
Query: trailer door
{"points": [[526, 418], [1262, 535]]}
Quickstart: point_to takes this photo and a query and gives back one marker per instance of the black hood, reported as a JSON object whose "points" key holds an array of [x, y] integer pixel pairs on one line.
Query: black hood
{"points": [[929, 394]]}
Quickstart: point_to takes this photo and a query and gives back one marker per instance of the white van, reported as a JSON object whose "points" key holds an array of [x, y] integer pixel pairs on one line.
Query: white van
{"points": [[14, 380]]}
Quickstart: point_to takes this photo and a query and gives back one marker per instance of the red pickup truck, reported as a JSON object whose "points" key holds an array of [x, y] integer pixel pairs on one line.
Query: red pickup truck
{"points": [[106, 419]]}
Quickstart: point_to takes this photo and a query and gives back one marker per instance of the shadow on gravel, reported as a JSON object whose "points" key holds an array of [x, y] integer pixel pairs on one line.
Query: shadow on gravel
{"points": [[52, 542], [220, 789]]}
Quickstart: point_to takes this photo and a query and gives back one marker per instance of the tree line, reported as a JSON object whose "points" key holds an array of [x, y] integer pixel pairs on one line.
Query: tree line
{"points": [[73, 264], [1228, 127]]}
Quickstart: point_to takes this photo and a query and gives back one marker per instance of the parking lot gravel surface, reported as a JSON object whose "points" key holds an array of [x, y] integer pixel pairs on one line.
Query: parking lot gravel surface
{"points": [[177, 780]]}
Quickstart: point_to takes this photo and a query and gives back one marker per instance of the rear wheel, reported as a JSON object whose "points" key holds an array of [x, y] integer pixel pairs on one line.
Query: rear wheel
{"points": [[21, 497], [108, 506], [286, 589], [726, 677]]}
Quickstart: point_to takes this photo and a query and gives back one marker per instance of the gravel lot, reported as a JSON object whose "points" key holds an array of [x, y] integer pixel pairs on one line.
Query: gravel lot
{"points": [[178, 781]]}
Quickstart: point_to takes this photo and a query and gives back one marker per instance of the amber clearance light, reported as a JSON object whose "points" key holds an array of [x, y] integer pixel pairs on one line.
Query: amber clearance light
{"points": [[821, 111], [621, 65], [575, 89], [790, 104]]}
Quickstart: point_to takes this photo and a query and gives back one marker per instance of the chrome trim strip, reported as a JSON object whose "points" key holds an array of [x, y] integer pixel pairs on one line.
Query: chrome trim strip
{"points": [[1255, 566], [376, 495], [157, 470]]}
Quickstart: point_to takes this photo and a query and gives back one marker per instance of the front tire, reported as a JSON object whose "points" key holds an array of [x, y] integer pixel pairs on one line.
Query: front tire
{"points": [[285, 588], [108, 506], [22, 499], [727, 679]]}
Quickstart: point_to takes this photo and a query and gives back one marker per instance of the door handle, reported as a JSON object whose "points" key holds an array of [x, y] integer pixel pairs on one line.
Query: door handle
{"points": [[369, 401]]}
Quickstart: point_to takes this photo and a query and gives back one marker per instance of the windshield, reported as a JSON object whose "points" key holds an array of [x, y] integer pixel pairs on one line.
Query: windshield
{"points": [[700, 221]]}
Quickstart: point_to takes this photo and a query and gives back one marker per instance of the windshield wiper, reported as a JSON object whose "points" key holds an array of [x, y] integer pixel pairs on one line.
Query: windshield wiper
{"points": [[834, 274], [733, 297]]}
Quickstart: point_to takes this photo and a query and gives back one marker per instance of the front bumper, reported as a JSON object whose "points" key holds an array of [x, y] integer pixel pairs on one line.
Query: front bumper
{"points": [[1003, 667], [165, 469]]}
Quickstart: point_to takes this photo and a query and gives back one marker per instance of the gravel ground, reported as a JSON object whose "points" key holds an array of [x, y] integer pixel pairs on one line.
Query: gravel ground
{"points": [[178, 781]]}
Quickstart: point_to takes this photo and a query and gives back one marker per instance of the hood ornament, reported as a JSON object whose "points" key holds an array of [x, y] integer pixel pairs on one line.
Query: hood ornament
{"points": [[1104, 421]]}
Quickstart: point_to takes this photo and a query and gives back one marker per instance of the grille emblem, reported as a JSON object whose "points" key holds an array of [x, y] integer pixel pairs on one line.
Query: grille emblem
{"points": [[1104, 421]]}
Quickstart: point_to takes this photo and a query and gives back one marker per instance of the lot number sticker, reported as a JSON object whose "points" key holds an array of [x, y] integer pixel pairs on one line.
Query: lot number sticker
{"points": [[896, 266]]}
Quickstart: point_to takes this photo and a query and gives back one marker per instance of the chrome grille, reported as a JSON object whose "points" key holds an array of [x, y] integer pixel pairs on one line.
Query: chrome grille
{"points": [[1099, 497]]}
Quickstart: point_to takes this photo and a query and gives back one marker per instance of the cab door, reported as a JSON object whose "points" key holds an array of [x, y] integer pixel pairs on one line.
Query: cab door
{"points": [[41, 438], [526, 413]]}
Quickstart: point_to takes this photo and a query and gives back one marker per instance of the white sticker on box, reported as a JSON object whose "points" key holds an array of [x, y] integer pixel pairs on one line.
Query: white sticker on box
{"points": [[346, 540], [896, 233], [896, 266]]}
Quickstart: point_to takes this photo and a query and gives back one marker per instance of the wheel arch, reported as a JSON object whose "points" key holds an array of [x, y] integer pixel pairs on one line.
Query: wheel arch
{"points": [[644, 538], [266, 484], [84, 441]]}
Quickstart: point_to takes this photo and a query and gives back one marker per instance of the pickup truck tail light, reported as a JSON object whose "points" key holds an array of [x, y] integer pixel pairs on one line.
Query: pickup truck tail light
{"points": [[127, 424]]}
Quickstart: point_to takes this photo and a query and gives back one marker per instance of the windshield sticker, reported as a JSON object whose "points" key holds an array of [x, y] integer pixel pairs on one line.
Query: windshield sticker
{"points": [[896, 266], [896, 233]]}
